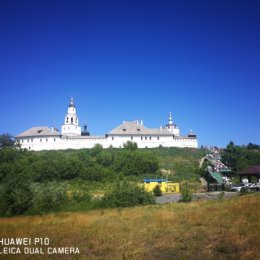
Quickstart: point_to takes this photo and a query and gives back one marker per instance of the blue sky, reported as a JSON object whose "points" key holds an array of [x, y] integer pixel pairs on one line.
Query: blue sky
{"points": [[128, 60]]}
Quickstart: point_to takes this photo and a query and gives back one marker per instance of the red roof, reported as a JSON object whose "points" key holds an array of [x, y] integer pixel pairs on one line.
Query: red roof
{"points": [[251, 170]]}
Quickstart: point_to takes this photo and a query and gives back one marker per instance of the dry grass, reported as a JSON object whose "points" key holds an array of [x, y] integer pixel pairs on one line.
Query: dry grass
{"points": [[214, 230]]}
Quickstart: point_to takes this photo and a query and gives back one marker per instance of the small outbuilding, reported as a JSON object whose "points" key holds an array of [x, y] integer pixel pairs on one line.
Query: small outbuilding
{"points": [[249, 173], [164, 184]]}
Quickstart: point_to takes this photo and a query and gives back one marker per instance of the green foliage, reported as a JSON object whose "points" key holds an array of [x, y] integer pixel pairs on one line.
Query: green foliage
{"points": [[186, 193], [245, 191], [97, 149], [48, 197], [157, 192], [106, 158], [79, 196], [15, 194], [6, 140], [96, 173], [136, 163], [127, 195], [31, 182], [130, 145], [240, 157], [181, 163]]}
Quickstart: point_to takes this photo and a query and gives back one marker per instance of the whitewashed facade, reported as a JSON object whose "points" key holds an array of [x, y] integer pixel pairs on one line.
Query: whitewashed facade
{"points": [[45, 138]]}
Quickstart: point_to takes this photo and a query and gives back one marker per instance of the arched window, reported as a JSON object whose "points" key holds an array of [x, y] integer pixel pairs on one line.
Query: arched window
{"points": [[67, 120], [71, 120]]}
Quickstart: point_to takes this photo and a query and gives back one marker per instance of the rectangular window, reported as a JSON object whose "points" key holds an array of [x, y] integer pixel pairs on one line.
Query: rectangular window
{"points": [[150, 138], [132, 138], [146, 138], [31, 140], [141, 138], [112, 137], [40, 140], [158, 138], [46, 139], [54, 140]]}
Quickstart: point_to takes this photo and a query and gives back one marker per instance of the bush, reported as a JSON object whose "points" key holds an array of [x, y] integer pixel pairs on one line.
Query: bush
{"points": [[48, 197], [15, 195], [130, 145], [157, 191], [244, 191], [78, 197], [127, 195], [186, 193], [136, 163]]}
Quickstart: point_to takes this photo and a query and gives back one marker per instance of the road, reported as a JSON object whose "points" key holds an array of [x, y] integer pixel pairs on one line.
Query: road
{"points": [[173, 198]]}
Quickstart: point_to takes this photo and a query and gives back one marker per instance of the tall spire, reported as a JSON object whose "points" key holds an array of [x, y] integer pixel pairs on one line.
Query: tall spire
{"points": [[71, 102], [170, 118], [71, 122]]}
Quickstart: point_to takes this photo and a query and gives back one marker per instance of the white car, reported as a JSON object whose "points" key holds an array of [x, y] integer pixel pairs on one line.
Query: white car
{"points": [[246, 186]]}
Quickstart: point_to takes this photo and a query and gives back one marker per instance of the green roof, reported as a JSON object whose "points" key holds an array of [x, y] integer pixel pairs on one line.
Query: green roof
{"points": [[217, 176]]}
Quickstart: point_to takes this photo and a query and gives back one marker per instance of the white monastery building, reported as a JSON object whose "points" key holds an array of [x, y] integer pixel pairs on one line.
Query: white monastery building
{"points": [[71, 137]]}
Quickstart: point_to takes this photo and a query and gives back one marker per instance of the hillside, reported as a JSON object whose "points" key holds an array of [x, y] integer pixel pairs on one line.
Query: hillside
{"points": [[47, 181], [222, 229], [180, 163]]}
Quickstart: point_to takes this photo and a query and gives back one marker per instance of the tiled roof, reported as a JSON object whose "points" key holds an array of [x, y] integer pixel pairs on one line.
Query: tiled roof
{"points": [[136, 128], [39, 131]]}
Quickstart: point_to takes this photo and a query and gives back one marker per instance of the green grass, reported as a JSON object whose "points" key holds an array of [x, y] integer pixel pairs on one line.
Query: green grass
{"points": [[180, 163], [222, 229]]}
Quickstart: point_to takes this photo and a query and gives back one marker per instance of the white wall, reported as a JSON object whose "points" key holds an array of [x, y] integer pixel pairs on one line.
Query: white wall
{"points": [[69, 142]]}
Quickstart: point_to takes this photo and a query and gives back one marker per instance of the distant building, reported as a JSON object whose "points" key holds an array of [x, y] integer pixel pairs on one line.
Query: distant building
{"points": [[71, 137]]}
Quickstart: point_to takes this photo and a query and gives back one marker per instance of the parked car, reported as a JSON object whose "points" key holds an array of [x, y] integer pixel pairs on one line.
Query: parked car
{"points": [[238, 187], [246, 187]]}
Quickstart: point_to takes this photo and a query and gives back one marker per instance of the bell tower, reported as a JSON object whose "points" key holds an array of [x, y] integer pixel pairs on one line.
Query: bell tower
{"points": [[71, 123], [171, 127]]}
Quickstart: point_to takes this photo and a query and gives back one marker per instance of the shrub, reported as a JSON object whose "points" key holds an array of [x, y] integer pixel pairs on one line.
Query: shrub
{"points": [[127, 195], [15, 201], [244, 191], [186, 193], [157, 191], [78, 197], [130, 145], [48, 197]]}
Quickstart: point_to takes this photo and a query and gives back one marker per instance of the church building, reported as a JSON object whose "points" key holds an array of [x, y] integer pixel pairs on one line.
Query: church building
{"points": [[72, 137]]}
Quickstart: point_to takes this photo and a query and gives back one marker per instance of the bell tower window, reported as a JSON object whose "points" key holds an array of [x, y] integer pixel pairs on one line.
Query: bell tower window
{"points": [[67, 120], [71, 120]]}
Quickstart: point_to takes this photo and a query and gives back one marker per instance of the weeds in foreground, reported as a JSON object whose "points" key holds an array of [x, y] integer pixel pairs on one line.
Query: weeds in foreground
{"points": [[221, 229]]}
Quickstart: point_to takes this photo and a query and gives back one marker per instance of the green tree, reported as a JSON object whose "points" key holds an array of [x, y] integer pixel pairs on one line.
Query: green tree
{"points": [[97, 149], [130, 145], [15, 194], [6, 140], [134, 163]]}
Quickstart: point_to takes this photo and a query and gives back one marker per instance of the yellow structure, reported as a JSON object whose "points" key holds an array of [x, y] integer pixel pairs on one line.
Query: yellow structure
{"points": [[164, 184]]}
